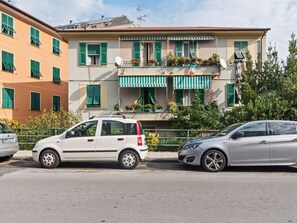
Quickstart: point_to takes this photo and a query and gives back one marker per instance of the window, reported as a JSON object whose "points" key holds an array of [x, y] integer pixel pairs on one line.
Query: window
{"points": [[35, 101], [131, 129], [93, 95], [56, 75], [283, 128], [56, 103], [85, 129], [35, 69], [7, 98], [254, 129], [240, 48], [112, 128], [56, 47], [92, 54], [5, 129], [185, 49], [230, 95], [7, 25], [8, 62], [34, 37]]}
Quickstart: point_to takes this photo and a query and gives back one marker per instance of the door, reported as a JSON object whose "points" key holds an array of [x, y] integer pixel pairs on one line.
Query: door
{"points": [[253, 147], [111, 140], [81, 144], [283, 144]]}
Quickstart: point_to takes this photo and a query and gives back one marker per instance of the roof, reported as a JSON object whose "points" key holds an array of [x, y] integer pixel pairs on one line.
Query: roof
{"points": [[172, 28], [27, 15], [120, 21]]}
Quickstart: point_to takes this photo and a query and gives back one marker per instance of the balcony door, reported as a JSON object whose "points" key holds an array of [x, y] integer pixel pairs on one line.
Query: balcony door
{"points": [[148, 95]]}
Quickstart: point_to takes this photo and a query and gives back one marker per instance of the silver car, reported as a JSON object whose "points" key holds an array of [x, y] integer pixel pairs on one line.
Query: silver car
{"points": [[8, 142], [258, 143]]}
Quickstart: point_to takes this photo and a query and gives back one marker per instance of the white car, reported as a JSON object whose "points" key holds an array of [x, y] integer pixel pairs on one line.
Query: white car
{"points": [[113, 139], [8, 142]]}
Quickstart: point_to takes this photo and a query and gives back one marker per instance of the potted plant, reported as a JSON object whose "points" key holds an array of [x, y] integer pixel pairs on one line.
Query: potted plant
{"points": [[151, 61], [214, 59], [170, 59], [135, 61], [136, 106], [187, 61], [159, 107], [116, 107], [172, 106], [147, 107], [129, 107], [180, 61]]}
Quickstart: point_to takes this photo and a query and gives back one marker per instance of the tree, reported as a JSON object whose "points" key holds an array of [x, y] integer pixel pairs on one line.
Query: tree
{"points": [[197, 116]]}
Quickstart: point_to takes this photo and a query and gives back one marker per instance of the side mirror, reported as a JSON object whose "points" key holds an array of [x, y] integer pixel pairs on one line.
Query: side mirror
{"points": [[237, 135], [70, 134]]}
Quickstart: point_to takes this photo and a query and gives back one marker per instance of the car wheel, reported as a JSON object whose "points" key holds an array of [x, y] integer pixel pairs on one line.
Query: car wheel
{"points": [[213, 161], [129, 159], [49, 159]]}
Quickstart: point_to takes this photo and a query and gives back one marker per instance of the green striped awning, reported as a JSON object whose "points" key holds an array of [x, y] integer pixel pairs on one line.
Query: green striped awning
{"points": [[143, 38], [143, 81], [194, 82], [191, 38]]}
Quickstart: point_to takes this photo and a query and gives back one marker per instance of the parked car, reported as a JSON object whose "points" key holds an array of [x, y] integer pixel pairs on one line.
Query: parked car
{"points": [[8, 142], [112, 139], [258, 143]]}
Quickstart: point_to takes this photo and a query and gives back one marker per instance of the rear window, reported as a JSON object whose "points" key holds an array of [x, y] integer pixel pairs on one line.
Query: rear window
{"points": [[5, 129], [283, 128], [131, 129]]}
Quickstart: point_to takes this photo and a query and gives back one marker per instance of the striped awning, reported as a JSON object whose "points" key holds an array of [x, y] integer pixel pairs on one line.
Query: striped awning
{"points": [[143, 38], [191, 38], [143, 81], [194, 82]]}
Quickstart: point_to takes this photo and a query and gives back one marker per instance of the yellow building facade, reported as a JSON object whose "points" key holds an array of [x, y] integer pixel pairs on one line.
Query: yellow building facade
{"points": [[34, 66]]}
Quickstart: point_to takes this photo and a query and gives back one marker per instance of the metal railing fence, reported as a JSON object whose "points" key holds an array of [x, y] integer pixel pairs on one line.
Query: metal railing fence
{"points": [[156, 139]]}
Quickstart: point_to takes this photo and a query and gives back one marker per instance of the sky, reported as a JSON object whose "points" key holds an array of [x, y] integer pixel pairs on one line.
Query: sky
{"points": [[280, 16]]}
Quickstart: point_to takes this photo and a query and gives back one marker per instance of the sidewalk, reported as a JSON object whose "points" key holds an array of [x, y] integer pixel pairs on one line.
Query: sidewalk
{"points": [[26, 154]]}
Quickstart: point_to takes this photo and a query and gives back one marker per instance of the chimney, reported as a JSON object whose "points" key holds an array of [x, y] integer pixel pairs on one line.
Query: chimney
{"points": [[70, 22], [102, 17]]}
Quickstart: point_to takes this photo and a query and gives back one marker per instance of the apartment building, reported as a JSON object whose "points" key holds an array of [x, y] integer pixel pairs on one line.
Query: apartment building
{"points": [[142, 69], [34, 68]]}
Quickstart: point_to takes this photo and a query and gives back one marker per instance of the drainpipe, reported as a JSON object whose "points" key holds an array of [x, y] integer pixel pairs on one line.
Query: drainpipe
{"points": [[265, 31]]}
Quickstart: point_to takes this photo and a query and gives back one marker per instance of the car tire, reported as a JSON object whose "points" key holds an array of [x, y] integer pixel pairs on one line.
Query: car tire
{"points": [[213, 161], [49, 159], [129, 159]]}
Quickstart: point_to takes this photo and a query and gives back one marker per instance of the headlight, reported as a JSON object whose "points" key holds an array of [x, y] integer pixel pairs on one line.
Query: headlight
{"points": [[192, 146]]}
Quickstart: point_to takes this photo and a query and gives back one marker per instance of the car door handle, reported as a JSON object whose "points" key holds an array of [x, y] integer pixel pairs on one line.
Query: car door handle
{"points": [[90, 140], [263, 142], [120, 139]]}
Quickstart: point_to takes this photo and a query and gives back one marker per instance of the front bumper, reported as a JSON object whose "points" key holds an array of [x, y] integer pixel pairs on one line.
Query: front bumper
{"points": [[191, 157]]}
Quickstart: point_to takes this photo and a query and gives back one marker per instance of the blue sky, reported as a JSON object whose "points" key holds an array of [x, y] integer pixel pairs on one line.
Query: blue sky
{"points": [[280, 16]]}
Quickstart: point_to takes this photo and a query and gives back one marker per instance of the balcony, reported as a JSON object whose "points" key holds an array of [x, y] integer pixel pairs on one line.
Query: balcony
{"points": [[136, 68]]}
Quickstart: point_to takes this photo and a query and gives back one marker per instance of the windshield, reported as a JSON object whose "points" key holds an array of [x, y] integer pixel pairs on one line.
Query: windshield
{"points": [[228, 129]]}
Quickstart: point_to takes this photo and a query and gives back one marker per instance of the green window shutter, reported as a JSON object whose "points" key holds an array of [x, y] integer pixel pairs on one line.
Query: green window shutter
{"points": [[179, 97], [35, 101], [193, 49], [8, 62], [56, 47], [56, 75], [136, 52], [96, 98], [34, 37], [230, 95], [35, 69], [7, 25], [201, 95], [103, 53], [7, 98], [90, 95], [158, 53], [82, 54], [56, 103], [179, 48]]}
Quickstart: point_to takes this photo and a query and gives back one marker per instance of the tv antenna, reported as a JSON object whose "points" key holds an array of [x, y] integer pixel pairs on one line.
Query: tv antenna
{"points": [[142, 15]]}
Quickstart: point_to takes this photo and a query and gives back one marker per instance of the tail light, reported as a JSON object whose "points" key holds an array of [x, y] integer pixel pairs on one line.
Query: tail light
{"points": [[138, 132]]}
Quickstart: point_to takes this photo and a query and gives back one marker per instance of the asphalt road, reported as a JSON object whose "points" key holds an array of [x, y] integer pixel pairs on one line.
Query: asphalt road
{"points": [[154, 192]]}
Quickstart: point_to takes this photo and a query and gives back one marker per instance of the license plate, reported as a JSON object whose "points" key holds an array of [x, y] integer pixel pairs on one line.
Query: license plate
{"points": [[4, 141]]}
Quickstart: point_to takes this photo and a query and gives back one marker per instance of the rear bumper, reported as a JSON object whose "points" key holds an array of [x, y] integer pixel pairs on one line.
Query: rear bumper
{"points": [[8, 151], [143, 152]]}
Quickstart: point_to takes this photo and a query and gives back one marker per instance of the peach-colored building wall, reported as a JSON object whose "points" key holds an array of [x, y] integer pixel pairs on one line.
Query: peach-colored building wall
{"points": [[21, 80]]}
